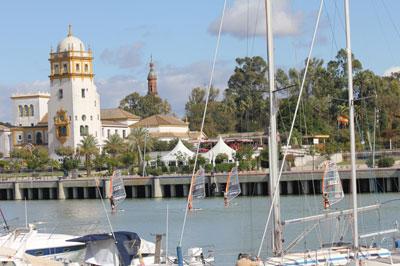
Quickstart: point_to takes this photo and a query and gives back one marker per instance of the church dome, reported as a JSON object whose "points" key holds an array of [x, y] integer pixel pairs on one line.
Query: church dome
{"points": [[152, 73], [70, 43]]}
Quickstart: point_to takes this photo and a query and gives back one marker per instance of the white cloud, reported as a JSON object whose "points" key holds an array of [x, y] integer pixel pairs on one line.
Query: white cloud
{"points": [[126, 56], [176, 83], [114, 89], [7, 90], [247, 18], [391, 70]]}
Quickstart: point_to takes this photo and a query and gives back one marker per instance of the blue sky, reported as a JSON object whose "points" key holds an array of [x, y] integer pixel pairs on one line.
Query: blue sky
{"points": [[181, 36]]}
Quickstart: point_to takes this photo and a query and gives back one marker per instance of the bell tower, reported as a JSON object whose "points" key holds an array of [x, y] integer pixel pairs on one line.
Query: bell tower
{"points": [[74, 105], [152, 79]]}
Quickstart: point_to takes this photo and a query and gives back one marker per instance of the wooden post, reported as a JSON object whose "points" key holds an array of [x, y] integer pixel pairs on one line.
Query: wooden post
{"points": [[157, 257]]}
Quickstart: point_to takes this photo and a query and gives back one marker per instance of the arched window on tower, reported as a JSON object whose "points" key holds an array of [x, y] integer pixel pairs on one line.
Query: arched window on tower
{"points": [[65, 66], [26, 110], [82, 130], [86, 130], [31, 110], [20, 110]]}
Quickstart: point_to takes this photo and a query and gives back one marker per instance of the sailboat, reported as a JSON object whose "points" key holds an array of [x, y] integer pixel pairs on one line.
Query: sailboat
{"points": [[232, 189], [197, 188], [332, 190], [117, 189], [327, 255]]}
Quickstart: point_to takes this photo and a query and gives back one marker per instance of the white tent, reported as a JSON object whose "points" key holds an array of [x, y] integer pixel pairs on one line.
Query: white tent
{"points": [[220, 148], [179, 153]]}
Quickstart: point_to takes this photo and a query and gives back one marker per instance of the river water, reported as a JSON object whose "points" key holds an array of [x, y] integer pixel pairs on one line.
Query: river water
{"points": [[226, 231]]}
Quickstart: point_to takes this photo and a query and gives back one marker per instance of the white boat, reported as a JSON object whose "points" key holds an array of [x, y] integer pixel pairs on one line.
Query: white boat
{"points": [[51, 246], [127, 248]]}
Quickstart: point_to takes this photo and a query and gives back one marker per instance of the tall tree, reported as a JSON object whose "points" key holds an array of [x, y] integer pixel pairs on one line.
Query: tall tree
{"points": [[245, 91], [145, 106], [88, 149], [137, 140], [217, 111], [114, 145]]}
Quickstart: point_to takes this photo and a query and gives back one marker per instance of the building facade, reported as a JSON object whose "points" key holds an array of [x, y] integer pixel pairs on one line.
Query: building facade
{"points": [[74, 105]]}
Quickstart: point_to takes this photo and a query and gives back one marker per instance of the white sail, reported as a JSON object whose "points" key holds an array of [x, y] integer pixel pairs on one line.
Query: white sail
{"points": [[117, 188], [232, 185], [332, 190], [198, 186]]}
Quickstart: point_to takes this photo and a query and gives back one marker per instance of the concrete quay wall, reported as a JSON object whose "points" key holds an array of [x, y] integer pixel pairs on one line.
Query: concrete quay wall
{"points": [[252, 184]]}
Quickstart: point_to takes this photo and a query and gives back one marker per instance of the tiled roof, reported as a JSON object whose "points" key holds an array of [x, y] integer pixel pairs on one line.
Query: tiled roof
{"points": [[159, 120], [116, 114], [2, 127], [110, 123]]}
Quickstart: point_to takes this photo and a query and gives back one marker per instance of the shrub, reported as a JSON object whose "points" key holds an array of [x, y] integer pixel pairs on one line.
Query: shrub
{"points": [[220, 158], [386, 162], [208, 168], [172, 169], [224, 167]]}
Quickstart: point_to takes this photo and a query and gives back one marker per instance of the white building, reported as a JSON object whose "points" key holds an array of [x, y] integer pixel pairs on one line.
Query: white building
{"points": [[29, 108], [74, 105], [167, 127], [5, 141]]}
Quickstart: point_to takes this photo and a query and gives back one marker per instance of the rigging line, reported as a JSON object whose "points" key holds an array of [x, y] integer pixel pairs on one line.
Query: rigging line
{"points": [[334, 41], [255, 27], [292, 126], [391, 18], [339, 17], [382, 30], [204, 115], [105, 210]]}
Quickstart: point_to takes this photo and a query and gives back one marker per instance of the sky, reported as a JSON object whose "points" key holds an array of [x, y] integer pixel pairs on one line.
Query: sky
{"points": [[181, 37]]}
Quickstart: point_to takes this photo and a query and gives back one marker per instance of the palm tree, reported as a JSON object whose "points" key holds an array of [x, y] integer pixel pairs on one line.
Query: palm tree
{"points": [[138, 139], [114, 145], [88, 148]]}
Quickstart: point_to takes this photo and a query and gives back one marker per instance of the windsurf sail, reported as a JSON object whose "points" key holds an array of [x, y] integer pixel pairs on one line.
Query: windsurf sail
{"points": [[117, 188], [232, 189], [198, 187], [332, 190]]}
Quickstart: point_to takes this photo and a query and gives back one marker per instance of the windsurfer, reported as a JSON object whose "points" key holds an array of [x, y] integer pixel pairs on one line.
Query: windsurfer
{"points": [[226, 203], [112, 203], [326, 200]]}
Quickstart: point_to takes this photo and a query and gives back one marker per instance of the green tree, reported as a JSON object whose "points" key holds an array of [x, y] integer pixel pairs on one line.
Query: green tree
{"points": [[88, 149], [145, 106], [137, 140], [217, 111], [37, 158], [245, 91], [114, 145], [70, 160]]}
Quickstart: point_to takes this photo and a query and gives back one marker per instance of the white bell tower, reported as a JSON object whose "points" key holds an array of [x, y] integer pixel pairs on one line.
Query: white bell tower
{"points": [[74, 105]]}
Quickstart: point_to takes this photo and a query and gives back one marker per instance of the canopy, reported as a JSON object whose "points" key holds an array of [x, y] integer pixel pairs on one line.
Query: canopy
{"points": [[102, 248], [179, 152], [219, 148]]}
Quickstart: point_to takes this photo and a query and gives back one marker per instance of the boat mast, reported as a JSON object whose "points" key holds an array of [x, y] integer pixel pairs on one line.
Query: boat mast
{"points": [[273, 154], [352, 131]]}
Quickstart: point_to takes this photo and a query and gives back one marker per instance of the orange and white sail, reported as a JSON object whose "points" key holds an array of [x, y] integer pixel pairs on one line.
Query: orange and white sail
{"points": [[117, 188], [197, 187], [232, 189], [332, 190]]}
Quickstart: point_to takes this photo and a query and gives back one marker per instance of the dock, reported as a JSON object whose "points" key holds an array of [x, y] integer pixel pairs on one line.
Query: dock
{"points": [[253, 183]]}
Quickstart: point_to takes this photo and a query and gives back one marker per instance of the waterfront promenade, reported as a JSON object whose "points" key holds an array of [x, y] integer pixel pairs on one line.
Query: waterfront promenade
{"points": [[253, 183]]}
